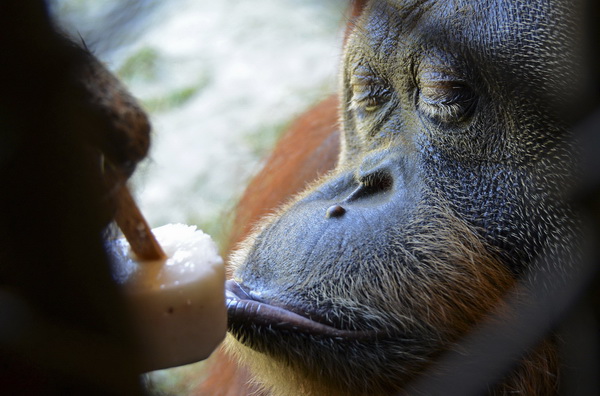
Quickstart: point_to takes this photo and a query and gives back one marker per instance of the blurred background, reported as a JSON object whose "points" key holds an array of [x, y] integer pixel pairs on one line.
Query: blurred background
{"points": [[221, 80]]}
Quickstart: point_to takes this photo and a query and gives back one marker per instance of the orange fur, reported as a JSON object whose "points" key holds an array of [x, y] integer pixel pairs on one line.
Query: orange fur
{"points": [[307, 150], [311, 148]]}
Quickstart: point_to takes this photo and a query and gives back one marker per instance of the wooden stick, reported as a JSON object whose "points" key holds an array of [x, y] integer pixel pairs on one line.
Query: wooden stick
{"points": [[135, 228]]}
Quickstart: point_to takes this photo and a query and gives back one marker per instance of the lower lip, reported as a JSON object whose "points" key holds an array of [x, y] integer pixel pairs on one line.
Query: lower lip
{"points": [[243, 310]]}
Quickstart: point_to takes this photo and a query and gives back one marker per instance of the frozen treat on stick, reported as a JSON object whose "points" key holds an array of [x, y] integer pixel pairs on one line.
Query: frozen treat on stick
{"points": [[176, 293]]}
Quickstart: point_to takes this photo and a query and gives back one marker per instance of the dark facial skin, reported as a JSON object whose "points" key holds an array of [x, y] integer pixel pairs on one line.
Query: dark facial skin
{"points": [[455, 160]]}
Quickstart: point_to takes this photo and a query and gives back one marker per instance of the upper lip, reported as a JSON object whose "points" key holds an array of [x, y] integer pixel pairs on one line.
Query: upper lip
{"points": [[243, 309]]}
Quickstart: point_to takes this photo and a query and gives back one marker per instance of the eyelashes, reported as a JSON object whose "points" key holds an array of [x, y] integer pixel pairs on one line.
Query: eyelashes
{"points": [[446, 101], [441, 99], [368, 99]]}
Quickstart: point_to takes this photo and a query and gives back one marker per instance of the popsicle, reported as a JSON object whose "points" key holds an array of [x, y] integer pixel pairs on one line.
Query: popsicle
{"points": [[176, 296]]}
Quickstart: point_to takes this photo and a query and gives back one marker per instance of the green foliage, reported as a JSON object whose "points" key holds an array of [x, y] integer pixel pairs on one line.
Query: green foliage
{"points": [[143, 64], [175, 98]]}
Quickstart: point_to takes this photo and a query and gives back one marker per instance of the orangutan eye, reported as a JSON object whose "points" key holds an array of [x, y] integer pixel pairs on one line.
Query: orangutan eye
{"points": [[370, 91], [446, 101], [368, 99]]}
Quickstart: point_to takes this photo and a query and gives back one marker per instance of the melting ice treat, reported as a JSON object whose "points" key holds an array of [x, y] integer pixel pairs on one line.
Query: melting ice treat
{"points": [[178, 303]]}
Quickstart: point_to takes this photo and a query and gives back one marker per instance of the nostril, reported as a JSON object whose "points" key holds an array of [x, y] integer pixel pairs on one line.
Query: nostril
{"points": [[370, 184], [380, 180]]}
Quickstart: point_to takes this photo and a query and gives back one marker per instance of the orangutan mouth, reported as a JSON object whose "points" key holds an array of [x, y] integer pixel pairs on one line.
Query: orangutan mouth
{"points": [[243, 310]]}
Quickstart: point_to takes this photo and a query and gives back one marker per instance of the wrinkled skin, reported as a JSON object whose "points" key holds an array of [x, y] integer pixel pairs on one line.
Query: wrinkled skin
{"points": [[455, 163]]}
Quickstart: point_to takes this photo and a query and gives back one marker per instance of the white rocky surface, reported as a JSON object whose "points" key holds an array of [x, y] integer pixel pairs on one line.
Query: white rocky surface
{"points": [[221, 79]]}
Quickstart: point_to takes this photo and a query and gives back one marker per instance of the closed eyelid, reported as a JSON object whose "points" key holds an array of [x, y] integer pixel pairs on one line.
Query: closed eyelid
{"points": [[365, 83], [438, 65], [361, 94], [444, 89], [440, 77], [362, 82]]}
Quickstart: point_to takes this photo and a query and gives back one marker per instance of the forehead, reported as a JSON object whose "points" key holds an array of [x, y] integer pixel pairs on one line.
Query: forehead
{"points": [[492, 24], [535, 41]]}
